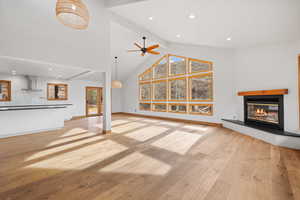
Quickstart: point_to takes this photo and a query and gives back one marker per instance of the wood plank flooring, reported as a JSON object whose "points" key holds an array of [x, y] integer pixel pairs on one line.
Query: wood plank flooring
{"points": [[145, 159]]}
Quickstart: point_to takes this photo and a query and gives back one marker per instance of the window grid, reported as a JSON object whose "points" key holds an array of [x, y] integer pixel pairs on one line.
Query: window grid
{"points": [[142, 106], [178, 104], [188, 76], [186, 89], [190, 86], [186, 60], [140, 89], [157, 104], [201, 113], [153, 90]]}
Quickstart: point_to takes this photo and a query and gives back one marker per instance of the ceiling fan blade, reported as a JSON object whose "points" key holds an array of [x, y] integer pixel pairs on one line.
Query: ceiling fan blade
{"points": [[133, 50], [152, 47], [154, 52], [139, 46]]}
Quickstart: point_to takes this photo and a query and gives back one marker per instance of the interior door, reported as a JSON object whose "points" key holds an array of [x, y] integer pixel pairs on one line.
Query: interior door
{"points": [[94, 101]]}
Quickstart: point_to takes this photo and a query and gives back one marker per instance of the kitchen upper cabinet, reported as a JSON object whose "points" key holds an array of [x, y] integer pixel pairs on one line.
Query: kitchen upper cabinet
{"points": [[57, 92], [5, 90]]}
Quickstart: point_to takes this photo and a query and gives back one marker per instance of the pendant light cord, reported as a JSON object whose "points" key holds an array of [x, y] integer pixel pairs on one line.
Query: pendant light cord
{"points": [[116, 68]]}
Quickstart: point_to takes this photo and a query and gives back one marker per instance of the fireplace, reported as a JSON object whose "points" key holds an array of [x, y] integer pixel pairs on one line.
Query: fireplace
{"points": [[265, 111]]}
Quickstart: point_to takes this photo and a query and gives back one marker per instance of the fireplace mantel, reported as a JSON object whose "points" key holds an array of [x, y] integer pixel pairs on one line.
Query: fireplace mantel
{"points": [[264, 92]]}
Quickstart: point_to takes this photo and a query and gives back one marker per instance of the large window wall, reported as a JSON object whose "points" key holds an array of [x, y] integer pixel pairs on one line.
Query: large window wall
{"points": [[177, 84]]}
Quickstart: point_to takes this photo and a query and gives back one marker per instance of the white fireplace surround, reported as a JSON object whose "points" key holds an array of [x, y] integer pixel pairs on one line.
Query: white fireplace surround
{"points": [[278, 140]]}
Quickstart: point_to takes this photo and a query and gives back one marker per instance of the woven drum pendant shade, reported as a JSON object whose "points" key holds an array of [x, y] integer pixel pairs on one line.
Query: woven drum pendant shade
{"points": [[116, 84], [72, 13]]}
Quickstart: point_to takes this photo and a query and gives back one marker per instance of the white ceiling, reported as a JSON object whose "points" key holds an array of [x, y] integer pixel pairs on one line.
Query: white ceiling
{"points": [[30, 30], [38, 35], [247, 22], [48, 70], [122, 39]]}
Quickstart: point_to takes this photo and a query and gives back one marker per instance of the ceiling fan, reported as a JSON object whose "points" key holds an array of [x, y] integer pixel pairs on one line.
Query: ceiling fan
{"points": [[145, 49]]}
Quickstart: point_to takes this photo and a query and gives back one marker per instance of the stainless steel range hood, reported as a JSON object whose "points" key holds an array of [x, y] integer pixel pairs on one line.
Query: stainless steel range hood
{"points": [[34, 84]]}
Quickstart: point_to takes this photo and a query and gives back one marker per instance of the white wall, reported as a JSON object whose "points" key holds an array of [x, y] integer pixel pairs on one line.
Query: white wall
{"points": [[117, 100], [30, 30], [223, 82], [255, 68], [270, 67], [76, 94]]}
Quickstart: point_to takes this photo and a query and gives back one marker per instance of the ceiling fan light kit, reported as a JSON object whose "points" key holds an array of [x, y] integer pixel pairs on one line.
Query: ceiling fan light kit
{"points": [[72, 13], [143, 49]]}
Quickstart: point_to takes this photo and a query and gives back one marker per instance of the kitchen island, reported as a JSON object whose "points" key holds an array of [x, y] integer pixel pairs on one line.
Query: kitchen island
{"points": [[27, 119]]}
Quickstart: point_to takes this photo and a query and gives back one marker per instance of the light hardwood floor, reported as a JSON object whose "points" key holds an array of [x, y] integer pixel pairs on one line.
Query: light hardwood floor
{"points": [[145, 159]]}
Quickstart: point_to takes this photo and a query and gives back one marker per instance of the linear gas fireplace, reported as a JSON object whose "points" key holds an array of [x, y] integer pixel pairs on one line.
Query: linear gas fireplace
{"points": [[264, 111]]}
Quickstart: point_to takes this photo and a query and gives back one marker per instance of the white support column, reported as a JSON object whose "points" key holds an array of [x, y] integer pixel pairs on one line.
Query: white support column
{"points": [[107, 103]]}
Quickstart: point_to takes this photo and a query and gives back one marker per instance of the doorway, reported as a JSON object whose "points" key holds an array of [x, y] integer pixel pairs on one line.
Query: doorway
{"points": [[94, 101]]}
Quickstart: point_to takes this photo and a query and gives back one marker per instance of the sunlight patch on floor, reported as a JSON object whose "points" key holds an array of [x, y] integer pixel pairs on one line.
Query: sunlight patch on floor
{"points": [[150, 120], [70, 139], [127, 127], [178, 141], [196, 127], [146, 133], [74, 131], [113, 123], [82, 158], [138, 163], [169, 123], [118, 122], [63, 148]]}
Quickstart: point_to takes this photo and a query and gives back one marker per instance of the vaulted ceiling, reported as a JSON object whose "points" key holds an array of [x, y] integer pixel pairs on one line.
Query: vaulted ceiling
{"points": [[246, 22], [122, 39], [30, 29]]}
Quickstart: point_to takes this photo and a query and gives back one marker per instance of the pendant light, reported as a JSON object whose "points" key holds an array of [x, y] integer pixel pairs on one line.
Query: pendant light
{"points": [[116, 83], [72, 13]]}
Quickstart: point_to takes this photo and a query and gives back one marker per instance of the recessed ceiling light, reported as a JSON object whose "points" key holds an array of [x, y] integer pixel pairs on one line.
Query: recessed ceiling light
{"points": [[192, 16], [228, 39], [150, 18], [178, 36]]}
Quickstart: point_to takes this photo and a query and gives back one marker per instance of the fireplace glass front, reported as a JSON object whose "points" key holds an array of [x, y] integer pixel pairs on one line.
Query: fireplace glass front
{"points": [[263, 112]]}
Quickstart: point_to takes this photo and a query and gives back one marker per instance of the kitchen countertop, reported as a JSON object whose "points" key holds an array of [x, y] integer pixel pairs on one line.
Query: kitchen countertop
{"points": [[33, 107]]}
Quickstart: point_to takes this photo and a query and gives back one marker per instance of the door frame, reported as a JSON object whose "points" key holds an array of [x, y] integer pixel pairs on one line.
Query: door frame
{"points": [[100, 90], [299, 90]]}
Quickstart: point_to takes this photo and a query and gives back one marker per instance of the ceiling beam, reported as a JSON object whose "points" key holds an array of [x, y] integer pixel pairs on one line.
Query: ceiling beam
{"points": [[114, 3], [138, 29]]}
